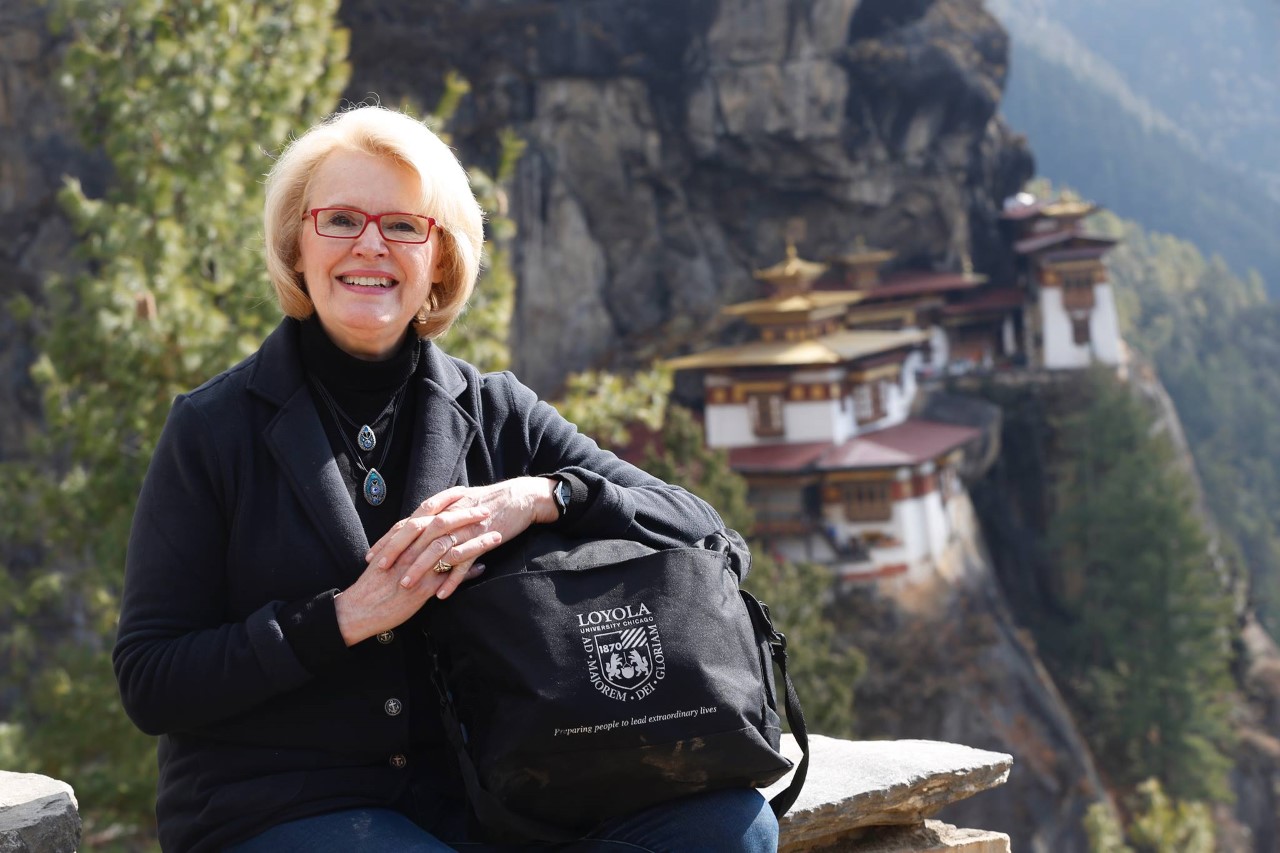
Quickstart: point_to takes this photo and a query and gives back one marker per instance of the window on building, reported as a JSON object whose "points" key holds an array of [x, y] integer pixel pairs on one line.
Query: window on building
{"points": [[779, 509], [868, 501], [1077, 291], [766, 414], [1080, 329], [869, 401]]}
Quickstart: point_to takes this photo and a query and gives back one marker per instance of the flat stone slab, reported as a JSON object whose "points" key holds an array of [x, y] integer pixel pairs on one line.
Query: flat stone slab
{"points": [[856, 784], [37, 814], [932, 836]]}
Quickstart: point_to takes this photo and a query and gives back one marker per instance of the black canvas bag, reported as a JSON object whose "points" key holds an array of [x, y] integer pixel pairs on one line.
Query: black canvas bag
{"points": [[581, 681]]}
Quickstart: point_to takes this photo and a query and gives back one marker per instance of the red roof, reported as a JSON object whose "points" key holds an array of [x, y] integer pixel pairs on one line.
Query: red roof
{"points": [[908, 443], [1041, 241], [776, 458], [991, 301], [1035, 244]]}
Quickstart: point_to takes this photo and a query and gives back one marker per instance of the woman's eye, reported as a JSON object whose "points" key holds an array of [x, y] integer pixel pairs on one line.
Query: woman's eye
{"points": [[342, 220], [403, 226]]}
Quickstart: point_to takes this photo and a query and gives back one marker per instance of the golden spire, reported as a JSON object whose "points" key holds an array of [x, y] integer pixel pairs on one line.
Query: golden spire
{"points": [[792, 276]]}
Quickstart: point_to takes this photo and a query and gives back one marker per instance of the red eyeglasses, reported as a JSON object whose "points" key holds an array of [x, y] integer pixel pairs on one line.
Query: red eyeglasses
{"points": [[345, 223]]}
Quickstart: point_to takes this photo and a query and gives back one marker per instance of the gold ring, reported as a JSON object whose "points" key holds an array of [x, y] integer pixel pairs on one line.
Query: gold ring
{"points": [[442, 567], [453, 540]]}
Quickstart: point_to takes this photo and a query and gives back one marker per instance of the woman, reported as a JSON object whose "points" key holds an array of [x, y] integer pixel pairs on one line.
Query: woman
{"points": [[273, 650]]}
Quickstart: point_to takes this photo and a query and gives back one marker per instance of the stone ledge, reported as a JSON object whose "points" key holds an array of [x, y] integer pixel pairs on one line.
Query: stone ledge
{"points": [[37, 814], [859, 797], [932, 836], [853, 786]]}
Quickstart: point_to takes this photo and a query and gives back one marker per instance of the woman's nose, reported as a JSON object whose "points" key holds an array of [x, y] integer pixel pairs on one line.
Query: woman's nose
{"points": [[370, 241]]}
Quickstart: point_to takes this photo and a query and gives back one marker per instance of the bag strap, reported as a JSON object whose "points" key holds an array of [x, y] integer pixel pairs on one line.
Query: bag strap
{"points": [[786, 798], [491, 812]]}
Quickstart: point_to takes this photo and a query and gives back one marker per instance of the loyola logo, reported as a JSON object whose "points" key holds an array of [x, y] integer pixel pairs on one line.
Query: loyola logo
{"points": [[616, 614], [624, 652]]}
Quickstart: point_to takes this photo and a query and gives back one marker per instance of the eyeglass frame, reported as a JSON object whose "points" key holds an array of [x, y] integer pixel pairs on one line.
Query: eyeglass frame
{"points": [[370, 217]]}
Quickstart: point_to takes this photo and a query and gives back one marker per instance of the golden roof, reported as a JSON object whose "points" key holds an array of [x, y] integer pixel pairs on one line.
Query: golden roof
{"points": [[791, 275], [837, 348], [800, 303], [1068, 209]]}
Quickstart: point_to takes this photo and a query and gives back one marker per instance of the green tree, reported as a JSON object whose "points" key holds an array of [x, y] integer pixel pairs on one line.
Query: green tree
{"points": [[1158, 825], [1147, 648], [181, 98], [1214, 339], [1163, 825]]}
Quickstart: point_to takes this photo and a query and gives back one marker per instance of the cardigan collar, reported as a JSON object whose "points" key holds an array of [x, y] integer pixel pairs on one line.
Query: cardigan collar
{"points": [[443, 431]]}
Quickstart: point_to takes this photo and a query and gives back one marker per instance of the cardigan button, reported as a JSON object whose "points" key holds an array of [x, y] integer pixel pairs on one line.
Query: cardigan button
{"points": [[386, 637], [392, 707], [398, 761]]}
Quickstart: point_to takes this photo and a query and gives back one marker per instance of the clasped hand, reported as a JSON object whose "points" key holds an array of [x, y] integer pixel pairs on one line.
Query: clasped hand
{"points": [[450, 529]]}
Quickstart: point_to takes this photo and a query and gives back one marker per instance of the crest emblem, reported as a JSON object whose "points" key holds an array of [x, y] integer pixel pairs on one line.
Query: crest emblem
{"points": [[625, 658]]}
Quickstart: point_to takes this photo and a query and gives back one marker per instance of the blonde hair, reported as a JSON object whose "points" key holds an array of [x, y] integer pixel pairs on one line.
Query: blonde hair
{"points": [[446, 196]]}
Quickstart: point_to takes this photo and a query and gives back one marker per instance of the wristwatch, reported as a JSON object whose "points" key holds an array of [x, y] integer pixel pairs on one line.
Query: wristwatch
{"points": [[562, 494]]}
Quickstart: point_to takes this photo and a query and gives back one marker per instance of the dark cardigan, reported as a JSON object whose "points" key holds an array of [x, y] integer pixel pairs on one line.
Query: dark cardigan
{"points": [[228, 645]]}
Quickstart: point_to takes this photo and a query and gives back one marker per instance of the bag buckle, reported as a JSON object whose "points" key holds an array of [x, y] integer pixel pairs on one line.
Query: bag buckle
{"points": [[776, 637]]}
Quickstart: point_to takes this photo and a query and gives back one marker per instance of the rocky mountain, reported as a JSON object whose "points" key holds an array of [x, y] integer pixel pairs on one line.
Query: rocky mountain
{"points": [[37, 147], [674, 144], [672, 147]]}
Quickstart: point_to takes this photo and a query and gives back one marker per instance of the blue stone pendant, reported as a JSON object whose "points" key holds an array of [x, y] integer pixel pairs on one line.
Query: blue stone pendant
{"points": [[366, 439], [375, 488]]}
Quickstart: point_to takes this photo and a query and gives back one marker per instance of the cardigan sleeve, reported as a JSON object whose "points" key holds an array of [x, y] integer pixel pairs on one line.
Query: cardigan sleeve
{"points": [[611, 497], [179, 662]]}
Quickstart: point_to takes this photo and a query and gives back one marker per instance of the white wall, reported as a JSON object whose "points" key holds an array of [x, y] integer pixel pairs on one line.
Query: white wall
{"points": [[1008, 337], [1060, 349], [940, 351], [923, 527], [1105, 326], [729, 425]]}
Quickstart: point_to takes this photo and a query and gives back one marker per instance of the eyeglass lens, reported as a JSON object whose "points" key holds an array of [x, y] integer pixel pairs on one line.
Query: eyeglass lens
{"points": [[395, 227]]}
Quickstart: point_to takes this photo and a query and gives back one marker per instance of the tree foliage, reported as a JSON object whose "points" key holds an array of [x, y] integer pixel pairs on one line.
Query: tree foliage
{"points": [[181, 98], [1158, 825], [1146, 643], [1214, 339]]}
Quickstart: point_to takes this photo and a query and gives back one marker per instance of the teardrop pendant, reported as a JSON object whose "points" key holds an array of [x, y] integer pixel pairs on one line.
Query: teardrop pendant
{"points": [[375, 488], [366, 439]]}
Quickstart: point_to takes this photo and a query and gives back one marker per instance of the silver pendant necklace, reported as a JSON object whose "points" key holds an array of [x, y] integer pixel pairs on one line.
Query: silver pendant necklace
{"points": [[374, 486]]}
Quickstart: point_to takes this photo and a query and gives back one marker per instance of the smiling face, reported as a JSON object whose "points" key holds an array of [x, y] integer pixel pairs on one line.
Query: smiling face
{"points": [[366, 290]]}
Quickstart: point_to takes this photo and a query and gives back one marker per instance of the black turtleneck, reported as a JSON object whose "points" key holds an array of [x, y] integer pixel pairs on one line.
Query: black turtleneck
{"points": [[363, 390]]}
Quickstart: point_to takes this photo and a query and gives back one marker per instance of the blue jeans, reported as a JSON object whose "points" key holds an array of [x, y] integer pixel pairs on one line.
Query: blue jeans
{"points": [[736, 821]]}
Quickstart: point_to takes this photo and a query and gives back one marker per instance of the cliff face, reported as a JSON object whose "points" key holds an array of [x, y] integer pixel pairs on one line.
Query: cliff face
{"points": [[948, 661], [672, 146], [37, 148], [1013, 502]]}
